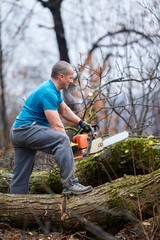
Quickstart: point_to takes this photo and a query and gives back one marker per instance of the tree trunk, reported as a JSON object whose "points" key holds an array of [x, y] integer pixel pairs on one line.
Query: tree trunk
{"points": [[59, 29], [108, 206], [63, 50], [55, 9], [140, 155]]}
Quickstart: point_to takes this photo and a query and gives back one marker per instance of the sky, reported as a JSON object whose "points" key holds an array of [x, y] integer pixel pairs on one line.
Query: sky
{"points": [[84, 22]]}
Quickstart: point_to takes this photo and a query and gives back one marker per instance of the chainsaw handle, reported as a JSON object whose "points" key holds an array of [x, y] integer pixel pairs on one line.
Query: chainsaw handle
{"points": [[96, 130], [91, 137]]}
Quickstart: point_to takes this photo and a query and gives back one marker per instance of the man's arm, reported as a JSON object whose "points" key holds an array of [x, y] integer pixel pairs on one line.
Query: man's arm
{"points": [[56, 123], [54, 120], [68, 114]]}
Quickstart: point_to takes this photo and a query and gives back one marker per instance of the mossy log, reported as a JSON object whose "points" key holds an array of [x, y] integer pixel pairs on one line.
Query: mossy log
{"points": [[130, 157], [109, 206]]}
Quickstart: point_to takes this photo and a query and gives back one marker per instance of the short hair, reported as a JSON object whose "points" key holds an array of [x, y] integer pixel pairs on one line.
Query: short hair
{"points": [[60, 67]]}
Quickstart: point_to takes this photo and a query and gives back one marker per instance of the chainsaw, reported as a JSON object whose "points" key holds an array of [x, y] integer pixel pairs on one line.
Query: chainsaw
{"points": [[88, 144]]}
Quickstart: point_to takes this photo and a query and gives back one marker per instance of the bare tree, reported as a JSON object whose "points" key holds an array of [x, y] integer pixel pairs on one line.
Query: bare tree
{"points": [[123, 108], [126, 90], [55, 9]]}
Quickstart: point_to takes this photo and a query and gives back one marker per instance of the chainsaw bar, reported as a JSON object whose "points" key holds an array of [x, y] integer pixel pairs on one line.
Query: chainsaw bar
{"points": [[115, 138]]}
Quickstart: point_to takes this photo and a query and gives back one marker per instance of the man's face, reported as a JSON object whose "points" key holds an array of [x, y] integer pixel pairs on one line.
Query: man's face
{"points": [[67, 79]]}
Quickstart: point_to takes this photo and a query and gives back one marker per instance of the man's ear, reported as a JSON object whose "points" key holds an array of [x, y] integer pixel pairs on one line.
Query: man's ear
{"points": [[60, 76]]}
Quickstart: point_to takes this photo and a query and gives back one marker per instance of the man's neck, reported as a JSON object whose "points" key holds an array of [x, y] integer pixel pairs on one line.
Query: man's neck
{"points": [[55, 83]]}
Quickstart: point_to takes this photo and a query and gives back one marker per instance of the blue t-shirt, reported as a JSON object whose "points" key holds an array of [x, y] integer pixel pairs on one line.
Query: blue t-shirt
{"points": [[44, 97]]}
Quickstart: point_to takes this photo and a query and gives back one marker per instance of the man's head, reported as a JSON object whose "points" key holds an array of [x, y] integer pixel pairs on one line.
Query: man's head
{"points": [[62, 72]]}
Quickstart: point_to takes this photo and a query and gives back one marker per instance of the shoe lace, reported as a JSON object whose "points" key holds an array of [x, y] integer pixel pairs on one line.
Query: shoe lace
{"points": [[78, 186]]}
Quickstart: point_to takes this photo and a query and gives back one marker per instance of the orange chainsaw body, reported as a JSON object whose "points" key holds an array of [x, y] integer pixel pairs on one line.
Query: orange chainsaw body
{"points": [[81, 140]]}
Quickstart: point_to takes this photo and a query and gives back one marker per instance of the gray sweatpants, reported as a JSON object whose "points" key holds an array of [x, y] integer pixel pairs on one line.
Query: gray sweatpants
{"points": [[26, 141]]}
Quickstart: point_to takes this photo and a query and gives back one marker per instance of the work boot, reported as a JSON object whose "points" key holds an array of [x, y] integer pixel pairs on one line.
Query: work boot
{"points": [[75, 188]]}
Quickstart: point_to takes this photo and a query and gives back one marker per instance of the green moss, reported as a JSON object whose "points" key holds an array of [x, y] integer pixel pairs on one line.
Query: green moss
{"points": [[37, 182], [87, 170], [129, 192], [126, 158], [5, 180], [144, 152], [44, 182], [54, 181]]}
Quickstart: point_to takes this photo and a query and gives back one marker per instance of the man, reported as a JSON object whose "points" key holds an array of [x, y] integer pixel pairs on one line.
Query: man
{"points": [[39, 127]]}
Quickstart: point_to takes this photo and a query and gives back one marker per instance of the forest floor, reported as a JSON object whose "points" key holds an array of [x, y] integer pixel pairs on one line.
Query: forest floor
{"points": [[9, 233], [147, 230]]}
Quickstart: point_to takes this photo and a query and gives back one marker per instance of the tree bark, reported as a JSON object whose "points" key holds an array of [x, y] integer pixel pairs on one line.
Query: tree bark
{"points": [[108, 206], [54, 7]]}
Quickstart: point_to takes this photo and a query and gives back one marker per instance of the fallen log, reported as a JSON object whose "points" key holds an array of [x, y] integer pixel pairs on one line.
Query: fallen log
{"points": [[140, 155], [135, 154], [108, 206]]}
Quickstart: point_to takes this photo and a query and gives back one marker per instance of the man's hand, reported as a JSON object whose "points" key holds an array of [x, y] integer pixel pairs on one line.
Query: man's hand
{"points": [[86, 127]]}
